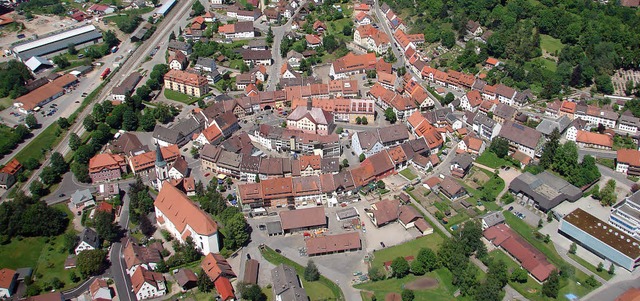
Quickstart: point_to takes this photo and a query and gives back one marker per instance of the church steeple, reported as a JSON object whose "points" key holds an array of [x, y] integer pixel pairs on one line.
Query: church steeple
{"points": [[160, 162]]}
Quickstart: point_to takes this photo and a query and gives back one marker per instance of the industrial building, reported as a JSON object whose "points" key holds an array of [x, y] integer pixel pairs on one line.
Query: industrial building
{"points": [[51, 45], [543, 190], [601, 238]]}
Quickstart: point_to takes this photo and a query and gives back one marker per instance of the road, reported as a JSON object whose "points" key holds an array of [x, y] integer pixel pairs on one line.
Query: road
{"points": [[597, 153], [76, 292], [399, 54], [278, 61], [136, 58], [613, 289], [118, 267]]}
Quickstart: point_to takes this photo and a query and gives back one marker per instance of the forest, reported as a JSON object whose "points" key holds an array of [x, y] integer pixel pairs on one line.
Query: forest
{"points": [[597, 38]]}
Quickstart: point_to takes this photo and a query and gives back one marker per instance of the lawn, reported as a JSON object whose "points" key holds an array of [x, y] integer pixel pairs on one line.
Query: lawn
{"points": [[491, 160], [550, 44], [180, 97], [236, 64], [21, 253], [547, 63], [606, 162], [5, 102], [323, 289], [530, 289], [408, 174], [268, 292], [444, 291], [45, 141], [409, 248], [604, 273]]}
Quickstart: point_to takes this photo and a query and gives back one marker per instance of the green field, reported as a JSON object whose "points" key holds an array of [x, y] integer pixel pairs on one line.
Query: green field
{"points": [[180, 97], [45, 141], [546, 63], [5, 102], [490, 159], [409, 248], [604, 273], [444, 290], [323, 289], [408, 174], [21, 253], [550, 44]]}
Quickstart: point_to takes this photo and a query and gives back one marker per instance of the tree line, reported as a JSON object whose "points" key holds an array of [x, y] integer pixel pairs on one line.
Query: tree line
{"points": [[24, 216]]}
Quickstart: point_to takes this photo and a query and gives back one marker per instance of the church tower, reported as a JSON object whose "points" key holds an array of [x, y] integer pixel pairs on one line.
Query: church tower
{"points": [[162, 168]]}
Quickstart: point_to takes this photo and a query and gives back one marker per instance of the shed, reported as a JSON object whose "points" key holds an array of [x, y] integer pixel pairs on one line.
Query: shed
{"points": [[274, 228], [186, 278]]}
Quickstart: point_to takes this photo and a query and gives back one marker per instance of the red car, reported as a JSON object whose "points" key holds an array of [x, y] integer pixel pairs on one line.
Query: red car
{"points": [[207, 174]]}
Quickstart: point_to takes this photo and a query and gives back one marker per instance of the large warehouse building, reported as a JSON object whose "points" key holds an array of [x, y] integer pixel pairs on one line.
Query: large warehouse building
{"points": [[543, 190], [51, 45]]}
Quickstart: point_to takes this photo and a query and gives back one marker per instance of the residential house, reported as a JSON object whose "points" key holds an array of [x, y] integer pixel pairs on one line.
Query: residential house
{"points": [[239, 30], [372, 141], [461, 164], [521, 138], [287, 284], [471, 100], [595, 115], [8, 173], [209, 68], [186, 279], [99, 290], [186, 83], [136, 256], [628, 122], [88, 241], [625, 215], [147, 284], [472, 144], [452, 189], [504, 112], [126, 87], [8, 283], [313, 41], [371, 39], [491, 219], [485, 127], [362, 18], [628, 161], [178, 61], [352, 64], [184, 47], [594, 140], [81, 198], [257, 57], [571, 133], [474, 28], [106, 167], [384, 212], [311, 120]]}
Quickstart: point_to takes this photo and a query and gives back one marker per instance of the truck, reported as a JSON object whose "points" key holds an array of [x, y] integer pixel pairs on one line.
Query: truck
{"points": [[105, 73]]}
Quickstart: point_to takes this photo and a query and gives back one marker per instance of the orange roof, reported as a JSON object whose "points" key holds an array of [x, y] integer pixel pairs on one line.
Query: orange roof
{"points": [[181, 211], [361, 15], [594, 138], [277, 188], [353, 62], [12, 167], [568, 107], [387, 78], [146, 160], [362, 7], [104, 161], [632, 294], [491, 61], [474, 97], [105, 207], [473, 143], [310, 160], [212, 133], [142, 276], [96, 285], [415, 119], [186, 78], [224, 288], [6, 278], [227, 28], [629, 156], [214, 265], [312, 39]]}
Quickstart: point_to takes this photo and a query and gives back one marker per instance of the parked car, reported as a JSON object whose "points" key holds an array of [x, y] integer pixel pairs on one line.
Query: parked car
{"points": [[61, 195]]}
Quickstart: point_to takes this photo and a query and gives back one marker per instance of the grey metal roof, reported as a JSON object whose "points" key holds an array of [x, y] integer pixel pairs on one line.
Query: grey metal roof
{"points": [[90, 237], [546, 126], [286, 283], [81, 196], [60, 44], [545, 188], [520, 134], [493, 218], [166, 134], [274, 228]]}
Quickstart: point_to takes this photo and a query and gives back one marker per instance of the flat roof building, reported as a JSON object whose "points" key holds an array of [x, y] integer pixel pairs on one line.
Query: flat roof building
{"points": [[601, 238], [50, 45], [626, 215]]}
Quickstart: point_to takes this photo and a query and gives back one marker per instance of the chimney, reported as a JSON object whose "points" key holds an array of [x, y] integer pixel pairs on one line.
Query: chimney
{"points": [[309, 104]]}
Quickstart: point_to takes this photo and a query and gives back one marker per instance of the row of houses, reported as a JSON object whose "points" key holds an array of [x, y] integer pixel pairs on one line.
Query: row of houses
{"points": [[281, 192], [593, 115], [284, 140]]}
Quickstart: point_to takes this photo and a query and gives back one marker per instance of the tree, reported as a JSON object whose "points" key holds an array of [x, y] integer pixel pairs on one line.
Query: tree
{"points": [[591, 281], [31, 121], [362, 157], [237, 234], [607, 195], [74, 141], [106, 228], [376, 274], [400, 267], [61, 61], [604, 84], [63, 123], [380, 184], [407, 295], [519, 275], [390, 116], [600, 267], [269, 38], [89, 123], [549, 216], [345, 163], [339, 130], [91, 262], [251, 292], [58, 163], [547, 239], [428, 258], [311, 272], [110, 38], [49, 176], [198, 8], [365, 121], [56, 283], [573, 248], [448, 39], [147, 121], [37, 189], [551, 287], [129, 120], [449, 98], [71, 48], [146, 227], [612, 269], [69, 241], [143, 92], [550, 148], [500, 147], [540, 223], [498, 272], [418, 268], [347, 31], [358, 120], [330, 43], [205, 284]]}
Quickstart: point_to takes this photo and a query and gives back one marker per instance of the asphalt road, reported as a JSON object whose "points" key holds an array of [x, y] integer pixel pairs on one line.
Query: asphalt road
{"points": [[118, 267], [135, 59]]}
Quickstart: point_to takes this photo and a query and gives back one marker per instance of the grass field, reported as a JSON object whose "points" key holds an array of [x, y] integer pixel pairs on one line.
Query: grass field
{"points": [[550, 44], [323, 289], [530, 289], [409, 248], [444, 291], [408, 174], [490, 159], [546, 63], [180, 97], [21, 253], [45, 141], [5, 102], [606, 162], [604, 273]]}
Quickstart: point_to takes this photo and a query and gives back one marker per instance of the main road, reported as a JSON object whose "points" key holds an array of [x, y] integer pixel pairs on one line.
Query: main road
{"points": [[135, 59]]}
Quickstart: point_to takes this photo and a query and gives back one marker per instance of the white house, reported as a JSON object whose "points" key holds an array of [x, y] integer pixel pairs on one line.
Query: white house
{"points": [[7, 282], [176, 213], [179, 169], [88, 241], [367, 143], [147, 284]]}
